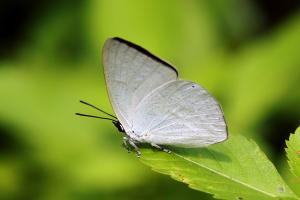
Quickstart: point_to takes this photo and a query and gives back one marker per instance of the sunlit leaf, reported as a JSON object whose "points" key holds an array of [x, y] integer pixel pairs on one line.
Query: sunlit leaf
{"points": [[293, 152], [235, 169]]}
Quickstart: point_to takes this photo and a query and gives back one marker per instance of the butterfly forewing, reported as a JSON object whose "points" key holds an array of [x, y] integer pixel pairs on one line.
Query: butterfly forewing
{"points": [[132, 73]]}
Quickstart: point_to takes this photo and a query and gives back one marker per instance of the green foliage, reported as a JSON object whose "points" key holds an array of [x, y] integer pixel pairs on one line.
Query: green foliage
{"points": [[48, 153], [235, 169], [293, 152]]}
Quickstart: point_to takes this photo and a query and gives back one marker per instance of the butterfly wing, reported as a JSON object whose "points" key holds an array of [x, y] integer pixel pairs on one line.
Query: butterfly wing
{"points": [[180, 113], [131, 73]]}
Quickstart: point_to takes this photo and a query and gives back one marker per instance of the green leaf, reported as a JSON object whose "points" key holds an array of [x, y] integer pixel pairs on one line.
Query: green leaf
{"points": [[235, 169], [293, 152]]}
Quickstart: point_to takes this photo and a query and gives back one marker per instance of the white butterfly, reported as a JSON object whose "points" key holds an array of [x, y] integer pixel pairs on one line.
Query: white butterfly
{"points": [[154, 106]]}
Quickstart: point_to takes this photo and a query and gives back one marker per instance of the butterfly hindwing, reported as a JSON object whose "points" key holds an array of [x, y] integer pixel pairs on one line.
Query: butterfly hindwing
{"points": [[181, 113]]}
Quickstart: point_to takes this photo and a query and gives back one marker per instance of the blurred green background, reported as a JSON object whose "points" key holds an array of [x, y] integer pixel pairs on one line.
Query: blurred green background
{"points": [[246, 53]]}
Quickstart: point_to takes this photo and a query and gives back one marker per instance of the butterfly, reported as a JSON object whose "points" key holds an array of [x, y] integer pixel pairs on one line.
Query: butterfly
{"points": [[152, 105]]}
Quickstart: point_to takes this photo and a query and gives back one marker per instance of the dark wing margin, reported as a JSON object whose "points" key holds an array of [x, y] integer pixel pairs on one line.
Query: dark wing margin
{"points": [[146, 52]]}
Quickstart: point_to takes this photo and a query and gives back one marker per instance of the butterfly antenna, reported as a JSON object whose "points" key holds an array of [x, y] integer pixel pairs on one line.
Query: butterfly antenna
{"points": [[97, 108], [93, 116]]}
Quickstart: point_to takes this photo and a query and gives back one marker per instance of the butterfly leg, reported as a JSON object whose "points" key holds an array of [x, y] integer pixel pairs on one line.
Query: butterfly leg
{"points": [[138, 152], [160, 148], [125, 144]]}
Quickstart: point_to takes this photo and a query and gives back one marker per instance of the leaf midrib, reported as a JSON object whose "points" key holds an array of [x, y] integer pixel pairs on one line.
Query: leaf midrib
{"points": [[224, 175]]}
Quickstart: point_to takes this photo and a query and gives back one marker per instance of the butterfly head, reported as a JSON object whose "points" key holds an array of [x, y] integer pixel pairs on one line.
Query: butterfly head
{"points": [[119, 126]]}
